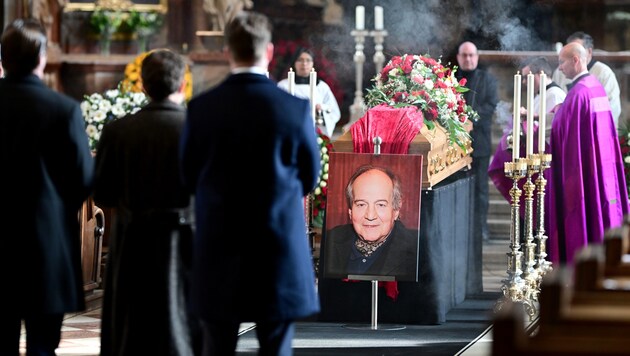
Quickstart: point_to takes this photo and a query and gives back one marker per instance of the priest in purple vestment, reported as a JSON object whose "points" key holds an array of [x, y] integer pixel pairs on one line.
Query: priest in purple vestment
{"points": [[587, 190]]}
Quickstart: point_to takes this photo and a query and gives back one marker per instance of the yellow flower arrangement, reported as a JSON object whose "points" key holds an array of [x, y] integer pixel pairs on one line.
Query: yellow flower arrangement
{"points": [[133, 80]]}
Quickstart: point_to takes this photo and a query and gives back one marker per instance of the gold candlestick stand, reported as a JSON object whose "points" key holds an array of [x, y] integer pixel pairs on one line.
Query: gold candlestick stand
{"points": [[530, 274], [514, 288], [542, 265]]}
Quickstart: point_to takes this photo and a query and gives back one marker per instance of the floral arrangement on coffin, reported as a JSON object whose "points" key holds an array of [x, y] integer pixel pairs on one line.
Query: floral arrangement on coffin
{"points": [[100, 109], [321, 190], [423, 82], [624, 142], [133, 80]]}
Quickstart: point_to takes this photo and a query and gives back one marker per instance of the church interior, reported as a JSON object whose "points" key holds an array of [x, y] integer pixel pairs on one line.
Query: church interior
{"points": [[582, 310]]}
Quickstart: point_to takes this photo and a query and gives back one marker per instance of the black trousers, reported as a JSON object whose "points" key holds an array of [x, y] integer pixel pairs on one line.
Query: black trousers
{"points": [[43, 334], [274, 338], [480, 218]]}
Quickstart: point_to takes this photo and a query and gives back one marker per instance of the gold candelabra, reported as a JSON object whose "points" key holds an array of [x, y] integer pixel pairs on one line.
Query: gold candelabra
{"points": [[530, 274], [542, 265], [514, 287]]}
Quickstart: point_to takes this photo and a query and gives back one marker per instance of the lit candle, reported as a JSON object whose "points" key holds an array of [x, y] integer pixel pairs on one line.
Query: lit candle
{"points": [[360, 17], [378, 17], [542, 118], [516, 120], [529, 147], [312, 81], [291, 78]]}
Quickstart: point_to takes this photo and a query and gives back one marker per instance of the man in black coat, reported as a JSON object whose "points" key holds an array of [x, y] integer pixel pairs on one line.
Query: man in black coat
{"points": [[250, 154], [137, 174], [483, 98], [47, 171]]}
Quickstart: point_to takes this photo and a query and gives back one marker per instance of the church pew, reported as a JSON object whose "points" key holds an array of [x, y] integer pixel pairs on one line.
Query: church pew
{"points": [[563, 327], [593, 284], [511, 337], [617, 247]]}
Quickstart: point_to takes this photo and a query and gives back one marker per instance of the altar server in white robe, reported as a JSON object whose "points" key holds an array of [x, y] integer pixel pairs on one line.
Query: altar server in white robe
{"points": [[326, 106]]}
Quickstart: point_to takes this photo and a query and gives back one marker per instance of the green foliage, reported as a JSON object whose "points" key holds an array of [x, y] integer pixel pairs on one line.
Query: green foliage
{"points": [[144, 22], [106, 21], [103, 21]]}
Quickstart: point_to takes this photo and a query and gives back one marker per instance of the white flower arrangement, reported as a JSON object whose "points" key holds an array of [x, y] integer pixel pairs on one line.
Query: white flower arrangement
{"points": [[321, 189], [101, 109]]}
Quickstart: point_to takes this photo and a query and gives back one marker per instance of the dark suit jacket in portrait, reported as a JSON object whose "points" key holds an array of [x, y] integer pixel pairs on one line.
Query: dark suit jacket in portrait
{"points": [[47, 171], [249, 152], [397, 257]]}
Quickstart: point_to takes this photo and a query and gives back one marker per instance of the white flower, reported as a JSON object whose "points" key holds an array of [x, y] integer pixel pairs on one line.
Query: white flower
{"points": [[91, 130], [627, 159], [99, 110]]}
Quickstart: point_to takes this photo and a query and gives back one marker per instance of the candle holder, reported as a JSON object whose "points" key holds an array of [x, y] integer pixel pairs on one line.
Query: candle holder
{"points": [[514, 287], [357, 109], [542, 265], [530, 274], [379, 57]]}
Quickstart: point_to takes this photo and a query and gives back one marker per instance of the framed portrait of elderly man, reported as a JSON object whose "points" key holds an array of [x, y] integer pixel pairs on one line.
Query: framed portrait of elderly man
{"points": [[372, 222]]}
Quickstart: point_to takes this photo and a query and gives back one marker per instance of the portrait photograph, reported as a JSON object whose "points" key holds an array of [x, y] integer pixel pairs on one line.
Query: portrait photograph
{"points": [[372, 223]]}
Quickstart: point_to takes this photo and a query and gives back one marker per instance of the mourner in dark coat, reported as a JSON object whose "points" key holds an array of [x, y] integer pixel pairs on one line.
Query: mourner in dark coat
{"points": [[47, 171], [483, 98], [137, 174], [250, 154]]}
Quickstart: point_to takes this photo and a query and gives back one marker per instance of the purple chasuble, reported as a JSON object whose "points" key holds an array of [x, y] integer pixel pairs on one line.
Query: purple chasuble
{"points": [[587, 187]]}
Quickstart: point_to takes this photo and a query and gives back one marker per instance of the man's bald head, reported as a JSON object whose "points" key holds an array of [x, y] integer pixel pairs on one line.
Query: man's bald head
{"points": [[572, 59], [467, 56]]}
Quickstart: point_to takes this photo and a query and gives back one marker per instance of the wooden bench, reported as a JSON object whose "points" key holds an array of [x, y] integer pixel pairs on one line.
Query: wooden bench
{"points": [[563, 327], [617, 248]]}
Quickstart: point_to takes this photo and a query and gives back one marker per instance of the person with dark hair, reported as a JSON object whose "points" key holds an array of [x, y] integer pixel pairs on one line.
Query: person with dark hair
{"points": [[47, 173], [600, 70], [137, 175], [326, 106], [264, 274], [587, 188], [376, 242]]}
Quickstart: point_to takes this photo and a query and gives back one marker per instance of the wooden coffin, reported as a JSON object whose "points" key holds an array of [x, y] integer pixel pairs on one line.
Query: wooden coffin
{"points": [[441, 159]]}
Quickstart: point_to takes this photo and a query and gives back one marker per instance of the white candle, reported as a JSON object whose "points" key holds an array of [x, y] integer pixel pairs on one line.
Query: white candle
{"points": [[378, 17], [360, 18], [542, 116], [291, 78], [312, 81], [516, 120], [529, 148]]}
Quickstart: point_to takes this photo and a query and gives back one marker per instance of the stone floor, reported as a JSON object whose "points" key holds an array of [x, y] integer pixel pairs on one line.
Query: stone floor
{"points": [[80, 333]]}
